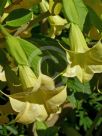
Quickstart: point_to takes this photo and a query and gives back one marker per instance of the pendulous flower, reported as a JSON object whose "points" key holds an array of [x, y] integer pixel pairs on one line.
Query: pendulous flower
{"points": [[83, 61], [37, 105]]}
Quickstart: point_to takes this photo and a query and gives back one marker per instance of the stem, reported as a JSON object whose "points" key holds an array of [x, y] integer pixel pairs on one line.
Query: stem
{"points": [[33, 22], [12, 5], [4, 31], [38, 19]]}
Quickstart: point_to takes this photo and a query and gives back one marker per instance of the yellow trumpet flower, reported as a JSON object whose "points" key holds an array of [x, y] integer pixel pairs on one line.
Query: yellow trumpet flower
{"points": [[83, 61], [30, 106], [37, 105]]}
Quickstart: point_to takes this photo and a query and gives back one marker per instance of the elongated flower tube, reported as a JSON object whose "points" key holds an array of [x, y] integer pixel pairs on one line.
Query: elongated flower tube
{"points": [[77, 40], [28, 79], [83, 61]]}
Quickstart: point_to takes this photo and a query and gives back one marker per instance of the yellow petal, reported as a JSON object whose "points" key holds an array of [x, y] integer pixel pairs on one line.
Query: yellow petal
{"points": [[47, 83], [51, 99], [31, 113], [55, 7], [57, 24], [84, 74], [94, 55], [58, 99], [17, 105], [96, 68], [57, 20], [28, 112], [72, 71], [2, 74]]}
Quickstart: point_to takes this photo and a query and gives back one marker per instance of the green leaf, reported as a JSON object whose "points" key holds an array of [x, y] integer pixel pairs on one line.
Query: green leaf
{"points": [[77, 86], [12, 130], [18, 17], [35, 9], [40, 125], [85, 121], [75, 11], [2, 5], [32, 53]]}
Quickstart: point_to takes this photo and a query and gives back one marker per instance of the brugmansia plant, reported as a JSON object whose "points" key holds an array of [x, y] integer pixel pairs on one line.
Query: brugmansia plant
{"points": [[38, 99], [51, 67]]}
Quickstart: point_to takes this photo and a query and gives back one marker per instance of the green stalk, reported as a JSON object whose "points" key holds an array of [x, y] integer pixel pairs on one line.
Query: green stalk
{"points": [[4, 31]]}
